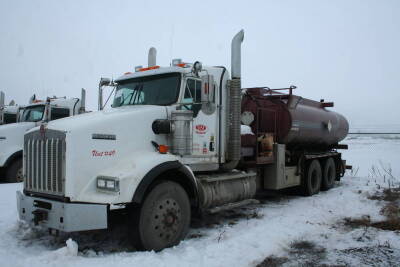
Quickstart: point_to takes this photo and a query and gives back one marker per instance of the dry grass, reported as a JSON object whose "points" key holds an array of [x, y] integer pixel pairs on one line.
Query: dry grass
{"points": [[391, 210], [273, 261]]}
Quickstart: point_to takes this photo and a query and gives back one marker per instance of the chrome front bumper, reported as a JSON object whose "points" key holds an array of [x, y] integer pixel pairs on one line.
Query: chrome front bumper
{"points": [[66, 217]]}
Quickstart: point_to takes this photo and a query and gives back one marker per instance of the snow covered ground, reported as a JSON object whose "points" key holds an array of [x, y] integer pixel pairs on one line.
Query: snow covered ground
{"points": [[244, 237]]}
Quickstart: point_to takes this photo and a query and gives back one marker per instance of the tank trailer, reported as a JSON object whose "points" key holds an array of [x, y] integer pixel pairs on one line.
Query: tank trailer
{"points": [[32, 115], [177, 141]]}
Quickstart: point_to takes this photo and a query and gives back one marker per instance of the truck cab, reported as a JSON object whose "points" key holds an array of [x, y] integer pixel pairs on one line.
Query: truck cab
{"points": [[9, 113], [32, 115]]}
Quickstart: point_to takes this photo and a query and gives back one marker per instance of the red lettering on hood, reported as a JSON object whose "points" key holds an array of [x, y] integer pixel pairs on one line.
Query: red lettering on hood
{"points": [[96, 153]]}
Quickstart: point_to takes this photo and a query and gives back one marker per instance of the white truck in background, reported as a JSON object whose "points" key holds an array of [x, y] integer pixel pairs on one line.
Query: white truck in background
{"points": [[37, 112], [171, 146], [9, 113]]}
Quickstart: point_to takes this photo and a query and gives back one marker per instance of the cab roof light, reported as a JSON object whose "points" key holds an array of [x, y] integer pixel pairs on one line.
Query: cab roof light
{"points": [[176, 62], [149, 68]]}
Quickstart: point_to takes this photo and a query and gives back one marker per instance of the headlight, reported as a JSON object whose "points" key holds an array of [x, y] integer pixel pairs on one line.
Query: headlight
{"points": [[108, 183]]}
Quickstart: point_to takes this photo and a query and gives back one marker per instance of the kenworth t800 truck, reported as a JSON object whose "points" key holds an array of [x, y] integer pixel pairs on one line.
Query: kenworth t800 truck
{"points": [[12, 135], [172, 146]]}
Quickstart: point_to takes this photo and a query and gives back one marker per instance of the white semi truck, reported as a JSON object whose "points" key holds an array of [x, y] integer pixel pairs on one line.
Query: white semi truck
{"points": [[9, 113], [171, 146], [37, 112]]}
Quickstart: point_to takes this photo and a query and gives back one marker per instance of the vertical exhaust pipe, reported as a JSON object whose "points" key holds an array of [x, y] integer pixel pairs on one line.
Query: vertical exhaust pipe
{"points": [[83, 101], [2, 96], [2, 99], [236, 55], [152, 59], [234, 104]]}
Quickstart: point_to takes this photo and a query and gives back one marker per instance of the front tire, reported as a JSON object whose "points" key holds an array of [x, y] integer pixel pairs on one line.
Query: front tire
{"points": [[14, 173], [312, 178], [164, 217]]}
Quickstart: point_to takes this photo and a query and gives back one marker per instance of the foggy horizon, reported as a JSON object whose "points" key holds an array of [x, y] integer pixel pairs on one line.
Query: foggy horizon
{"points": [[341, 51]]}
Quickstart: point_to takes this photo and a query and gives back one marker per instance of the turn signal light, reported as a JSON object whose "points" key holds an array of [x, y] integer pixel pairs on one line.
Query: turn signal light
{"points": [[163, 149]]}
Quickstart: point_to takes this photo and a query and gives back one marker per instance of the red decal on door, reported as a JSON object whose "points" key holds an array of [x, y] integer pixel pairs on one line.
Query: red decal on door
{"points": [[201, 129]]}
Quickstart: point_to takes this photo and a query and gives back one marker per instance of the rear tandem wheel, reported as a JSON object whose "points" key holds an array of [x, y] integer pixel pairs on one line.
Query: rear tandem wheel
{"points": [[311, 179], [329, 174]]}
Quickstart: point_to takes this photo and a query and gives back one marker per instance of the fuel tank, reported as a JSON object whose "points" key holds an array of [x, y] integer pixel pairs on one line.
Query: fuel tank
{"points": [[298, 122]]}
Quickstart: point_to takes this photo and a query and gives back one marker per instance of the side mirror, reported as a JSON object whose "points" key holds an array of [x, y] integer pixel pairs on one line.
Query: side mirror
{"points": [[104, 81], [32, 99], [207, 94], [207, 88]]}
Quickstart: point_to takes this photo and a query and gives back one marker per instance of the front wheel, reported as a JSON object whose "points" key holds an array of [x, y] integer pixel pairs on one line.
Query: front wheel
{"points": [[14, 173], [164, 217]]}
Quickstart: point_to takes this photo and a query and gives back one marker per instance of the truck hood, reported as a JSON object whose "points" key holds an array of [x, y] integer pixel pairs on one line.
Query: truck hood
{"points": [[106, 119], [12, 139], [107, 143]]}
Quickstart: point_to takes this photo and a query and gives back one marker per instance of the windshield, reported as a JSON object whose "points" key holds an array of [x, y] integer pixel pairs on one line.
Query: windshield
{"points": [[160, 89], [33, 114]]}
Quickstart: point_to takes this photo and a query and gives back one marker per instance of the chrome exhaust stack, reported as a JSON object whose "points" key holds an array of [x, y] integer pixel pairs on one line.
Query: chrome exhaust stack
{"points": [[236, 55], [2, 96], [234, 104], [82, 109], [152, 59], [2, 99]]}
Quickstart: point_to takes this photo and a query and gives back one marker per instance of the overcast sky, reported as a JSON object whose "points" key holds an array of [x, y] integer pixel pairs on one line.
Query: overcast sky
{"points": [[343, 51]]}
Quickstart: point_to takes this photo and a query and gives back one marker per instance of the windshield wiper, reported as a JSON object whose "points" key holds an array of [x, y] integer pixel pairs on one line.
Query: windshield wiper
{"points": [[130, 95], [137, 96]]}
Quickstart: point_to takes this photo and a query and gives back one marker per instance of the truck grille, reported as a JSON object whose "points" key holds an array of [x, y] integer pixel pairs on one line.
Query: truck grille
{"points": [[44, 162]]}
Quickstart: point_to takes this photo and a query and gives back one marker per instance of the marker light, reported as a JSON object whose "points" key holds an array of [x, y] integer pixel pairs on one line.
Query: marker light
{"points": [[163, 149], [108, 183], [176, 61], [149, 68]]}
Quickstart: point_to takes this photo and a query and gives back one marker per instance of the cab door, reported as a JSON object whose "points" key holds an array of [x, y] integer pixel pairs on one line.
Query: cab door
{"points": [[204, 122]]}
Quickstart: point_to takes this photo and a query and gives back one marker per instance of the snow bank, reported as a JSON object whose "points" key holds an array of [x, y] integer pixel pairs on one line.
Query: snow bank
{"points": [[245, 243]]}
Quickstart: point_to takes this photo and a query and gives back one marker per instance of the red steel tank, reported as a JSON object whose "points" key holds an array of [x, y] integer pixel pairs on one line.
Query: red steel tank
{"points": [[298, 122]]}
